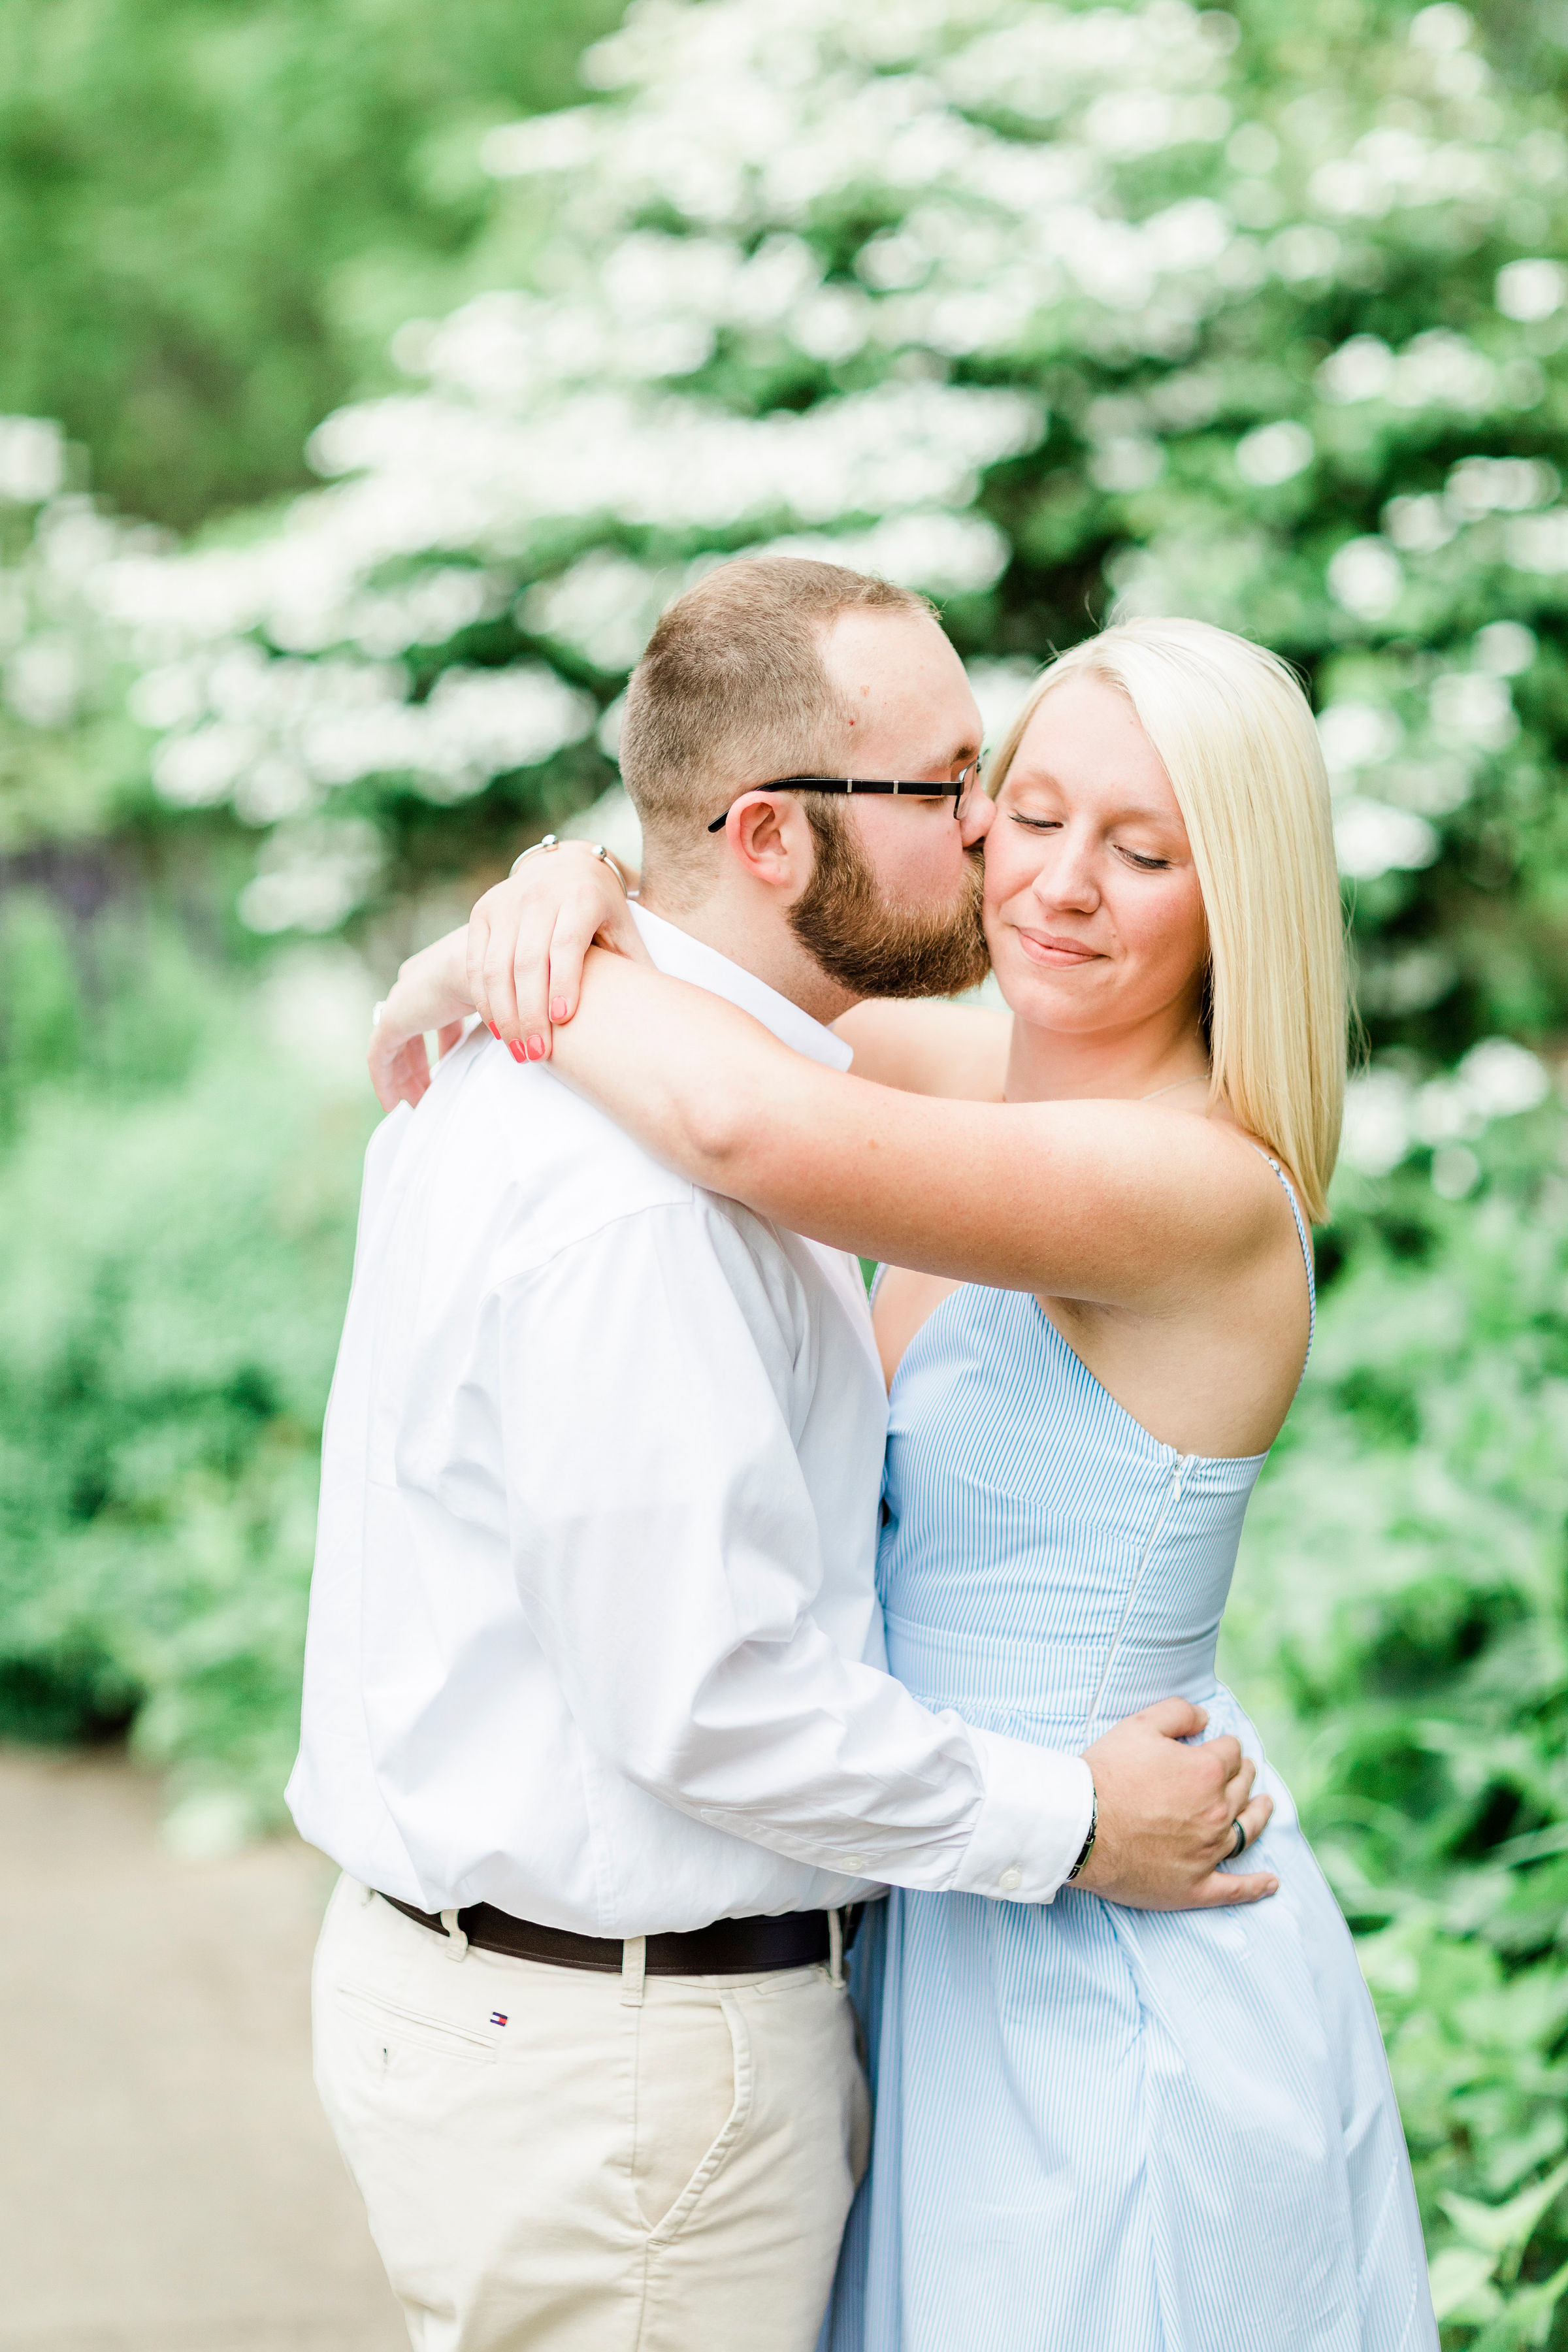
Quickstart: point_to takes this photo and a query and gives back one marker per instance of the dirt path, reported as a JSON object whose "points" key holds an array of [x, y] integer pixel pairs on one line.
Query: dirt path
{"points": [[167, 2183]]}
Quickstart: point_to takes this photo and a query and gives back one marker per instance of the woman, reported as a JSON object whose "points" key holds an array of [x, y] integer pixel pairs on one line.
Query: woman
{"points": [[1098, 2129]]}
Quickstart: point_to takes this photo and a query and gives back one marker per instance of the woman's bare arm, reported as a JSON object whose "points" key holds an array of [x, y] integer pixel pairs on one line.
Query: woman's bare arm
{"points": [[521, 955], [431, 992], [1111, 1202], [527, 938], [930, 1048]]}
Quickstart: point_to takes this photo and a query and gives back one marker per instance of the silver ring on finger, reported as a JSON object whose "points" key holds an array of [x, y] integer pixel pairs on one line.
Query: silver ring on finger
{"points": [[1239, 1848]]}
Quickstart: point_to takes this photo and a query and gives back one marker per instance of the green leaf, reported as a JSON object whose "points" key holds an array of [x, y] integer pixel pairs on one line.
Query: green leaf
{"points": [[1526, 2317], [1501, 2229], [1461, 2285]]}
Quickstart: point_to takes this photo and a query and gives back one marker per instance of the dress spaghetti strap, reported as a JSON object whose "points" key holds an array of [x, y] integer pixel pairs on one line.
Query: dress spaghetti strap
{"points": [[1303, 1237]]}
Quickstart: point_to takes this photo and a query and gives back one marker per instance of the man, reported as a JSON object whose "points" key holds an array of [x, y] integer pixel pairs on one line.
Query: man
{"points": [[596, 1715]]}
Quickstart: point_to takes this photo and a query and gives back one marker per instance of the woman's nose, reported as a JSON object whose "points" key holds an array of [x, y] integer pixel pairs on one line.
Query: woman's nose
{"points": [[1067, 877]]}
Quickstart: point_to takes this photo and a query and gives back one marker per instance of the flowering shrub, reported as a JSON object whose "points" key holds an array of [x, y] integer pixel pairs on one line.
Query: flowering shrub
{"points": [[1042, 309]]}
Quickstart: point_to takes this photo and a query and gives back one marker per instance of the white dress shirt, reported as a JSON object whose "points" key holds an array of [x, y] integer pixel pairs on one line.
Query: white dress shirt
{"points": [[594, 1630]]}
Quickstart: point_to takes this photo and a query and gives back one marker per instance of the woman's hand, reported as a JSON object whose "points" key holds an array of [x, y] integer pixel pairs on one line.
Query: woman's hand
{"points": [[519, 964], [527, 938], [431, 992]]}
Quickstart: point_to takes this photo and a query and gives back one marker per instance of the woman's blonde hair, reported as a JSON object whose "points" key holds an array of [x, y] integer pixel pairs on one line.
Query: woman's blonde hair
{"points": [[1238, 744]]}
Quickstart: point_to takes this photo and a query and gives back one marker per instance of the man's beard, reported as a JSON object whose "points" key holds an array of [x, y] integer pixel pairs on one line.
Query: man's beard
{"points": [[875, 949]]}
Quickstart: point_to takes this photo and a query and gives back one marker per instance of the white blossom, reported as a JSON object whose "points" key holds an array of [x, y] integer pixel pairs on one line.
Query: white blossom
{"points": [[1455, 1171], [1388, 1114], [1000, 689], [1373, 838], [612, 821], [1377, 1133], [1481, 486], [32, 459], [1475, 707], [1274, 453], [945, 555], [1502, 1078], [1357, 735], [1540, 542], [44, 681], [1436, 369], [1506, 647], [1443, 27], [1418, 525], [564, 453], [311, 875], [1365, 577], [1362, 369], [1531, 289]]}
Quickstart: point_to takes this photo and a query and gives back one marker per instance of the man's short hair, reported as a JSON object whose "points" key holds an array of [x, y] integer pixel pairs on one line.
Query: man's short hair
{"points": [[733, 692]]}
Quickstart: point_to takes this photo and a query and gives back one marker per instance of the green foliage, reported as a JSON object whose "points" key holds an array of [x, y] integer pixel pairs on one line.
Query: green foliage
{"points": [[172, 1290], [213, 214], [1400, 1621]]}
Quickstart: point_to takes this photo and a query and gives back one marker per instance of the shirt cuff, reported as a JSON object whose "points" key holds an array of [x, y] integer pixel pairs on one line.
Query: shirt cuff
{"points": [[1033, 1821]]}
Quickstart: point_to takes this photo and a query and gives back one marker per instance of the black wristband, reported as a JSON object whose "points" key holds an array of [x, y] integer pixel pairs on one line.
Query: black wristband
{"points": [[1093, 1827]]}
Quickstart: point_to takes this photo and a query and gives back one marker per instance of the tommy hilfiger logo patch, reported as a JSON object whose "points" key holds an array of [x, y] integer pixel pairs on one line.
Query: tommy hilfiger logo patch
{"points": [[496, 2016]]}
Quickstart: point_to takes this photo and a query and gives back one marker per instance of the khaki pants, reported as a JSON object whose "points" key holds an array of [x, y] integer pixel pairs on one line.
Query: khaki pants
{"points": [[555, 2160]]}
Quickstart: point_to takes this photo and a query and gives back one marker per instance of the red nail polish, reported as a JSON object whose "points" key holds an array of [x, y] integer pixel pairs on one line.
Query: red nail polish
{"points": [[558, 1009], [515, 1050], [495, 1033], [536, 1049]]}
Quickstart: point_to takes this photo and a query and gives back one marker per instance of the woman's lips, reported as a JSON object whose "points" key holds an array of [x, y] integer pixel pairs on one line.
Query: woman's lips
{"points": [[1044, 947]]}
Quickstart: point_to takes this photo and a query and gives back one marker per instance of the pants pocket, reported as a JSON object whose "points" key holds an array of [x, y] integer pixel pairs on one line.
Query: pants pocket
{"points": [[694, 2083], [398, 2026]]}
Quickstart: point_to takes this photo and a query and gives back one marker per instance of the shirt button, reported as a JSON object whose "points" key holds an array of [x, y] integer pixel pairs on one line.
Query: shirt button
{"points": [[854, 1863], [1011, 1877]]}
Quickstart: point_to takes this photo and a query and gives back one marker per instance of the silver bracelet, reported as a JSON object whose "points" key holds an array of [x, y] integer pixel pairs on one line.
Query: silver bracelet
{"points": [[552, 841]]}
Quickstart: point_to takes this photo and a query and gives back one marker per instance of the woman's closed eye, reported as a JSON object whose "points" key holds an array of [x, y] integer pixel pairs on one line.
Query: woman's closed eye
{"points": [[1140, 860]]}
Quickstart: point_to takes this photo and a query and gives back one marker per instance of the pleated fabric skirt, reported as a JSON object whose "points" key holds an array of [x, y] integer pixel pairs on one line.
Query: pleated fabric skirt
{"points": [[1105, 2130]]}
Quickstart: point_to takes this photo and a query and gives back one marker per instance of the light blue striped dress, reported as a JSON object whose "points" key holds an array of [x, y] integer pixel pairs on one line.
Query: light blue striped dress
{"points": [[1099, 2129]]}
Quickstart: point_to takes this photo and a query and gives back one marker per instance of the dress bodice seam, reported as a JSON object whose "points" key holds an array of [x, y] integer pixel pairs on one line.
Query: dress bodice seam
{"points": [[1169, 1453]]}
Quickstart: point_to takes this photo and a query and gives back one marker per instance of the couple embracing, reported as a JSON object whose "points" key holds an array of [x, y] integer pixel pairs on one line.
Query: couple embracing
{"points": [[803, 1881]]}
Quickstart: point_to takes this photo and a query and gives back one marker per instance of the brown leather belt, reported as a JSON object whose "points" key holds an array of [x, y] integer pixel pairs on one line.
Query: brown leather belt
{"points": [[730, 1947]]}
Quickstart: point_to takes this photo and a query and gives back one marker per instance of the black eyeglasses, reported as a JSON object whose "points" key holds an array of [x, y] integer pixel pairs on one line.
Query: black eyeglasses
{"points": [[958, 790]]}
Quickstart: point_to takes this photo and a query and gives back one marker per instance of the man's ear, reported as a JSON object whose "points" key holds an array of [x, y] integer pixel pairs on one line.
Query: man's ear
{"points": [[770, 836]]}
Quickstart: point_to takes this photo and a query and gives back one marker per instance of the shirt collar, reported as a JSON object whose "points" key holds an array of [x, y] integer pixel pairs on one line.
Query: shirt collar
{"points": [[675, 951]]}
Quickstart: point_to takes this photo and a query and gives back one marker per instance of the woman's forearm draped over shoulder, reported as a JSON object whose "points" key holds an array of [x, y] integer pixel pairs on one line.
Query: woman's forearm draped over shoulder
{"points": [[1085, 1198], [431, 992]]}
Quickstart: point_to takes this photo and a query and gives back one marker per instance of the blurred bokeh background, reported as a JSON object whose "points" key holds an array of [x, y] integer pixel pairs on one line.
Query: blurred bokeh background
{"points": [[372, 373]]}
